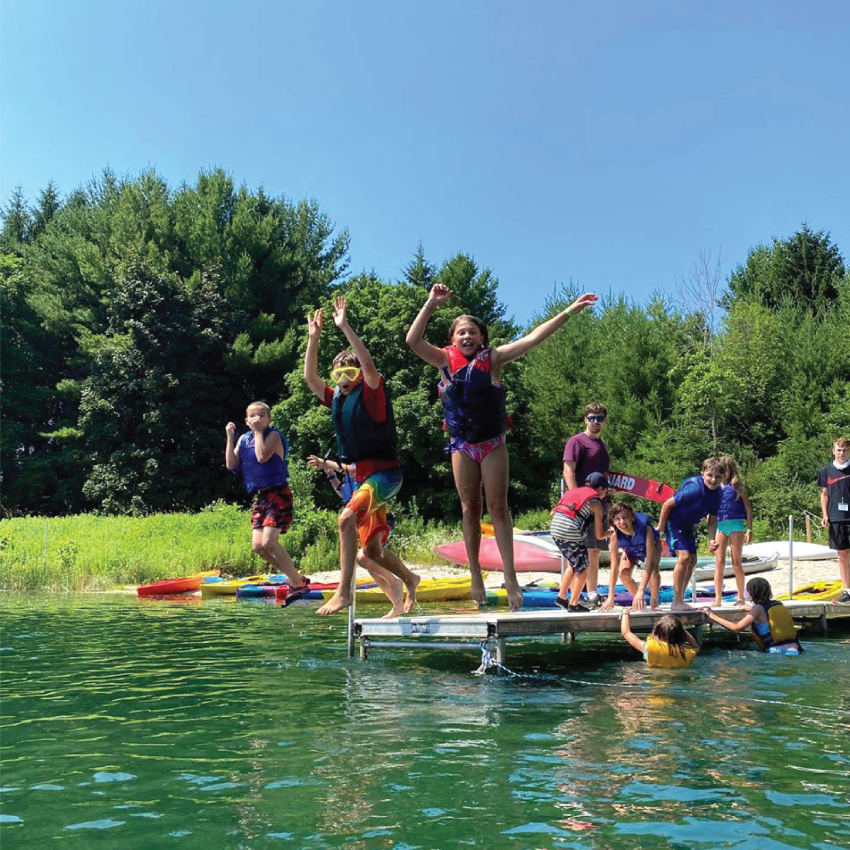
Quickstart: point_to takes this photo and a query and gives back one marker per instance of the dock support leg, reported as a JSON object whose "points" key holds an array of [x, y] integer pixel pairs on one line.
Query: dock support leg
{"points": [[698, 634], [568, 637], [501, 654], [822, 623], [364, 648]]}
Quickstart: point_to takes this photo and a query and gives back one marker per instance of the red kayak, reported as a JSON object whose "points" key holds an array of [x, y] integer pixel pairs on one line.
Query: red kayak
{"points": [[187, 584]]}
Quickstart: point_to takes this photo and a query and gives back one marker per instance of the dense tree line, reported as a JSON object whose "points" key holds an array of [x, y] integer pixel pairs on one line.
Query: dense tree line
{"points": [[138, 319]]}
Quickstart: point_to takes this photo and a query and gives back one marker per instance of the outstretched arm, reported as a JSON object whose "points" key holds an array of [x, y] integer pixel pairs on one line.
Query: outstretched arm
{"points": [[614, 574], [728, 624], [311, 358], [370, 373], [666, 509], [513, 350], [627, 633], [415, 338], [748, 507]]}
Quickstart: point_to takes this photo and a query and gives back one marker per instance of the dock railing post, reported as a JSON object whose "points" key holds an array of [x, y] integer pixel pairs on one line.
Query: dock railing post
{"points": [[791, 556], [351, 613]]}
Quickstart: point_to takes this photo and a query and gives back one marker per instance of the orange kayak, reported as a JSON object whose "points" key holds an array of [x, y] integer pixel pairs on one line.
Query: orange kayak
{"points": [[175, 585]]}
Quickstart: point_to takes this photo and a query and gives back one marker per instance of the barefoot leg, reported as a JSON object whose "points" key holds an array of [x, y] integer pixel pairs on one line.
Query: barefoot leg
{"points": [[494, 475], [347, 557], [719, 568], [467, 475], [391, 562], [392, 586]]}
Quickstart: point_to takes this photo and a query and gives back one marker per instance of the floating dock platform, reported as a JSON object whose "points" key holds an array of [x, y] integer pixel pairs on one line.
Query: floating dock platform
{"points": [[490, 632]]}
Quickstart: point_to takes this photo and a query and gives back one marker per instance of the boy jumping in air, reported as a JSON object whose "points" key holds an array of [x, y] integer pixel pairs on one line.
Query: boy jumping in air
{"points": [[366, 436]]}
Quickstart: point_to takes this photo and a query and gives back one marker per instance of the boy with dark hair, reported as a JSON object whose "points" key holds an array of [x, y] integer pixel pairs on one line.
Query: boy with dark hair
{"points": [[697, 498], [261, 456], [363, 420], [586, 453], [834, 483]]}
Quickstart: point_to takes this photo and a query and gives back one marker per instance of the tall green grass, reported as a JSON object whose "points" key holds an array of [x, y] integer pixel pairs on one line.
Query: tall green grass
{"points": [[90, 552]]}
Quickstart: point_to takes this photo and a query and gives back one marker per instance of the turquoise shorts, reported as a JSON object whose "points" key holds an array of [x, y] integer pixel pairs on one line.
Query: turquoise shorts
{"points": [[728, 526]]}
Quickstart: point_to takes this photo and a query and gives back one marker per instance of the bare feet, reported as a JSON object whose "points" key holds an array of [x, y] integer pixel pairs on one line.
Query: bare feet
{"points": [[681, 606], [514, 596], [479, 592], [411, 593], [718, 603], [394, 611], [334, 605]]}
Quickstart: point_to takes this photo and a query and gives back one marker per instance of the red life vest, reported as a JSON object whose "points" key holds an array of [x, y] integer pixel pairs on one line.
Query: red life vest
{"points": [[574, 500]]}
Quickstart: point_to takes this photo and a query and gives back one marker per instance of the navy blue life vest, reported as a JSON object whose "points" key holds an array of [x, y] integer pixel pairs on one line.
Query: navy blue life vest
{"points": [[262, 476], [731, 504], [635, 546], [358, 436], [473, 406]]}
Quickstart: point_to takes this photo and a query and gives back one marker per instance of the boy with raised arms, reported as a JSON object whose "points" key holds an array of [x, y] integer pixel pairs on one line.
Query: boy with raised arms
{"points": [[366, 438], [261, 457]]}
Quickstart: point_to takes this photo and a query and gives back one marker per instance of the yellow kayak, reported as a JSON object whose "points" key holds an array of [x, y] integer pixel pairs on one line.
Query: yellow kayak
{"points": [[429, 590], [819, 591], [229, 587]]}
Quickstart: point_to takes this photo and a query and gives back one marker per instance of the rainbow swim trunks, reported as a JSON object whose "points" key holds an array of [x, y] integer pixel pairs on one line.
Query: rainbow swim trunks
{"points": [[370, 502]]}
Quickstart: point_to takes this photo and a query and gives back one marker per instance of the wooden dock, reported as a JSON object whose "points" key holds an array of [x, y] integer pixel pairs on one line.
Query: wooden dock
{"points": [[491, 630]]}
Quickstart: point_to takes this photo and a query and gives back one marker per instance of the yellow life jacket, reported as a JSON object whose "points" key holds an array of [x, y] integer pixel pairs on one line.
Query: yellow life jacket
{"points": [[658, 654], [782, 629]]}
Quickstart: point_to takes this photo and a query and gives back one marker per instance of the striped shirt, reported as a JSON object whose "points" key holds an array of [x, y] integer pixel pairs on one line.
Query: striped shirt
{"points": [[573, 529]]}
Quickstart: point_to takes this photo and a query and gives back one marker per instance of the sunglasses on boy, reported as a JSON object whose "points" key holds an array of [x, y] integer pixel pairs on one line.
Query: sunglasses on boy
{"points": [[343, 373], [600, 418]]}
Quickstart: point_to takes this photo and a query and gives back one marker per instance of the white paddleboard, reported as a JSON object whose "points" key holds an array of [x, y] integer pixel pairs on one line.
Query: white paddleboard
{"points": [[802, 551]]}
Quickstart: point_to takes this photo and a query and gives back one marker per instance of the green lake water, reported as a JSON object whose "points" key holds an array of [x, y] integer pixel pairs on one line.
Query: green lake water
{"points": [[132, 724]]}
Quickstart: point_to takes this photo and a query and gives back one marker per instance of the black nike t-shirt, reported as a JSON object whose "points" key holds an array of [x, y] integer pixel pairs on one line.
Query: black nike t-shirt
{"points": [[837, 483]]}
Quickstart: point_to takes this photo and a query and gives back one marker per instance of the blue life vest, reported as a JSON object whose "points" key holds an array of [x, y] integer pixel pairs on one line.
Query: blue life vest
{"points": [[358, 436], [731, 504], [706, 502], [635, 546], [473, 406], [262, 476]]}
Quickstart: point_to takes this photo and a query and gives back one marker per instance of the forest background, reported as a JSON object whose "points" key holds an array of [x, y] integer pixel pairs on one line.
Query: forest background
{"points": [[139, 319]]}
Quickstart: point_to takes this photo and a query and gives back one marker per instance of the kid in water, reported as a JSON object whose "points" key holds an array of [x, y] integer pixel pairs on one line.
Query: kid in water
{"points": [[634, 540], [475, 417], [669, 644], [363, 420], [698, 497], [769, 619], [261, 456]]}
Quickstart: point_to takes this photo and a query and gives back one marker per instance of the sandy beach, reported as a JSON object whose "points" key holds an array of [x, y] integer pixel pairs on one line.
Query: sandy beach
{"points": [[805, 572]]}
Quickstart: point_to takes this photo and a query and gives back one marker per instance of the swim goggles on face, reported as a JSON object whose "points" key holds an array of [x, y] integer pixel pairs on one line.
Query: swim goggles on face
{"points": [[344, 373]]}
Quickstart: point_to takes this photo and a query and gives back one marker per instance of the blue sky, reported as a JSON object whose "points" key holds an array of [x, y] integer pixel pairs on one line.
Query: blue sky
{"points": [[607, 143]]}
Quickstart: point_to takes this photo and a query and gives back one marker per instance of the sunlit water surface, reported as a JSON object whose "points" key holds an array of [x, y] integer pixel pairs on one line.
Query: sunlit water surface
{"points": [[132, 724]]}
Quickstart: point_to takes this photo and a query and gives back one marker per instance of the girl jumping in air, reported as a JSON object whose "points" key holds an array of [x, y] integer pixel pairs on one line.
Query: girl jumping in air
{"points": [[475, 417], [734, 526]]}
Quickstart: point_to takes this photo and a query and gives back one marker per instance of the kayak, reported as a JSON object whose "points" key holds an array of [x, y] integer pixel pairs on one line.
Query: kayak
{"points": [[187, 584], [540, 597], [429, 590], [531, 555], [219, 587], [801, 551], [819, 591], [280, 589]]}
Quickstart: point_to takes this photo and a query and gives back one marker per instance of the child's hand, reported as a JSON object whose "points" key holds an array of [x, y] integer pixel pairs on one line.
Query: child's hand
{"points": [[637, 602], [439, 294], [712, 547], [314, 462], [609, 603], [748, 538], [586, 300], [314, 324], [230, 429], [340, 312]]}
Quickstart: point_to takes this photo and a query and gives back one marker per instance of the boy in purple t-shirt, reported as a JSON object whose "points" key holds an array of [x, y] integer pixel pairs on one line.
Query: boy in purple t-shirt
{"points": [[583, 454]]}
